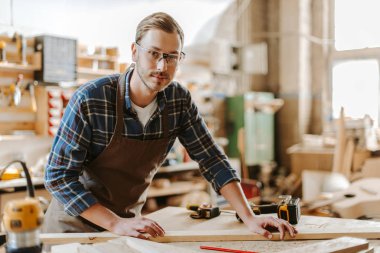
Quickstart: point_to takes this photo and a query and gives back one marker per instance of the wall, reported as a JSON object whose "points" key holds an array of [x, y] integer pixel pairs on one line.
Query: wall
{"points": [[108, 23], [30, 149]]}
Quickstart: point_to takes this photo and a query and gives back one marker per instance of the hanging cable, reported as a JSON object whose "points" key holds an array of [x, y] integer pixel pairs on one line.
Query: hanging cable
{"points": [[29, 184]]}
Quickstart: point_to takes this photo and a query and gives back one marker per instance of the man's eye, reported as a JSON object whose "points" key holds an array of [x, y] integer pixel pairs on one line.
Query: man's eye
{"points": [[155, 54], [172, 57]]}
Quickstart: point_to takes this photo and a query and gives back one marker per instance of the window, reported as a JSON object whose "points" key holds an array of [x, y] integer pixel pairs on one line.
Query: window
{"points": [[355, 59], [356, 88]]}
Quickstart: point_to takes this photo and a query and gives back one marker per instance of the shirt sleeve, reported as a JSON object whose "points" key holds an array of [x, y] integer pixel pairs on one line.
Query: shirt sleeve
{"points": [[200, 145], [67, 156]]}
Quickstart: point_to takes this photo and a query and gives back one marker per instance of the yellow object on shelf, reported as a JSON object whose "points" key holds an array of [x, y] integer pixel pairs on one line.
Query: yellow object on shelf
{"points": [[10, 174]]}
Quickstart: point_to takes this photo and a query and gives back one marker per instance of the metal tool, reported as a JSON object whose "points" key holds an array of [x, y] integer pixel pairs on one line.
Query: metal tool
{"points": [[203, 212], [287, 208], [3, 56], [22, 220]]}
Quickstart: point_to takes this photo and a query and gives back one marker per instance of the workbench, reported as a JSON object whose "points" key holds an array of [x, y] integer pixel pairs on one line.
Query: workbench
{"points": [[176, 221]]}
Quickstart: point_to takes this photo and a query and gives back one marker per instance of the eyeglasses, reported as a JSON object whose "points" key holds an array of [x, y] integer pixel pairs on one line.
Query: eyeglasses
{"points": [[155, 56]]}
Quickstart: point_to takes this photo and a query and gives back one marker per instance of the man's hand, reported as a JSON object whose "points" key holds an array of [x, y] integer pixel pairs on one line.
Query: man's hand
{"points": [[258, 225], [235, 196], [136, 227]]}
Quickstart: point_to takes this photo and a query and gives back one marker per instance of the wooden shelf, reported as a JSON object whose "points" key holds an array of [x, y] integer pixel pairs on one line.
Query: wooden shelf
{"points": [[176, 188], [16, 110], [98, 57], [20, 182], [179, 167], [99, 72], [18, 67]]}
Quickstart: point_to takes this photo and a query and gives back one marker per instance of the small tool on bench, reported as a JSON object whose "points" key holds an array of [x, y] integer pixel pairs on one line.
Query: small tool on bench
{"points": [[203, 211], [287, 208]]}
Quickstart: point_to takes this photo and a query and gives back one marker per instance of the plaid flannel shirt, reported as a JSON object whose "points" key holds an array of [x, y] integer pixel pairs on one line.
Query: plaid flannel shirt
{"points": [[88, 124]]}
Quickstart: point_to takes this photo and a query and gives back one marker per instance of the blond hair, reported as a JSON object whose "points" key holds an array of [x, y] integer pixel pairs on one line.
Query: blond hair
{"points": [[161, 21]]}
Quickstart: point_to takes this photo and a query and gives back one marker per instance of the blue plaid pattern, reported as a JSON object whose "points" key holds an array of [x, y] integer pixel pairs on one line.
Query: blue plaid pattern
{"points": [[88, 124]]}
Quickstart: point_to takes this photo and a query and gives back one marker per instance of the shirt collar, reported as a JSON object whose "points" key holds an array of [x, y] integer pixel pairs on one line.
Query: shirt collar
{"points": [[161, 96]]}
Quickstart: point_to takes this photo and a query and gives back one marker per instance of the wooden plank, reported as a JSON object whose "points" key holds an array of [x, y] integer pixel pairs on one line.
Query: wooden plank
{"points": [[120, 245], [348, 157], [340, 143], [243, 235], [342, 244], [201, 236], [62, 238]]}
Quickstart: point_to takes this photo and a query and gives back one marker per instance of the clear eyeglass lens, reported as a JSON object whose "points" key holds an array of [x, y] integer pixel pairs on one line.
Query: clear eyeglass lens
{"points": [[171, 59]]}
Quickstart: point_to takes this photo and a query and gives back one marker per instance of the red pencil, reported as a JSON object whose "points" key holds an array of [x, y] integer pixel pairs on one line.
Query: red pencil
{"points": [[226, 250]]}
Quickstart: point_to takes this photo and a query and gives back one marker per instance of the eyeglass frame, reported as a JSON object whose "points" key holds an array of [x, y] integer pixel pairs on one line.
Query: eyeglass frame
{"points": [[164, 56]]}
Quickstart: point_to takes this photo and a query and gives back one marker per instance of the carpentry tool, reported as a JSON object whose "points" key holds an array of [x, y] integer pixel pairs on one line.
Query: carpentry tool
{"points": [[3, 57], [203, 212], [287, 209], [21, 47], [22, 220], [15, 91]]}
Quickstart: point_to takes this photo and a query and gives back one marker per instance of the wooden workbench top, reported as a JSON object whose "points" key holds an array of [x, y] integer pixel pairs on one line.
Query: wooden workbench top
{"points": [[176, 221]]}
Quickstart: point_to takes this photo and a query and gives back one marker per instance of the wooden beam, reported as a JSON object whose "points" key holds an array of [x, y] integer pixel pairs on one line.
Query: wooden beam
{"points": [[204, 236], [62, 238], [234, 235]]}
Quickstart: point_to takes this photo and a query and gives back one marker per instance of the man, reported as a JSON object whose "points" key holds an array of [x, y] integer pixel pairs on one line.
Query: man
{"points": [[117, 131]]}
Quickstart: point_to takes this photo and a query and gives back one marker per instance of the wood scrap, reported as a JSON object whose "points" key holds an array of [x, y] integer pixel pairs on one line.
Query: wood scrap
{"points": [[340, 143], [348, 157], [342, 244], [371, 167]]}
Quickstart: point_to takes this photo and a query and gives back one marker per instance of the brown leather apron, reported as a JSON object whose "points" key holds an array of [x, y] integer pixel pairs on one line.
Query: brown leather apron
{"points": [[119, 177]]}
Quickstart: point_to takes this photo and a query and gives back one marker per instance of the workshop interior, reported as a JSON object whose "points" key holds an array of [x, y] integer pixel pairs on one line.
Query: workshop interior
{"points": [[289, 90]]}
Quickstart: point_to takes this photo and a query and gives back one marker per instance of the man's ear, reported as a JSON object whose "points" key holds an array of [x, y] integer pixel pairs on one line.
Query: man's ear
{"points": [[134, 52]]}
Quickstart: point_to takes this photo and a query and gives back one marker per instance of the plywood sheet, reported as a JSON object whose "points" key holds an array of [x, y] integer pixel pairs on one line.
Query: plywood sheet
{"points": [[180, 227], [342, 244]]}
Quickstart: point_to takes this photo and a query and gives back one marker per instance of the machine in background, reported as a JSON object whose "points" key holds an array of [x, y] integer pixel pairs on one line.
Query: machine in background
{"points": [[23, 219]]}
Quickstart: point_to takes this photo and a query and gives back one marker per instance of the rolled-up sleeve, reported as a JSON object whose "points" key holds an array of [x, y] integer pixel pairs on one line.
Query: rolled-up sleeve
{"points": [[67, 157], [200, 145]]}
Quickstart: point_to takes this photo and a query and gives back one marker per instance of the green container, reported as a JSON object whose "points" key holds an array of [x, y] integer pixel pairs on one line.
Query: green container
{"points": [[258, 124]]}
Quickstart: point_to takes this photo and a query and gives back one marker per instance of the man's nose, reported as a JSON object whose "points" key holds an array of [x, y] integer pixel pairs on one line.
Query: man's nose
{"points": [[162, 64]]}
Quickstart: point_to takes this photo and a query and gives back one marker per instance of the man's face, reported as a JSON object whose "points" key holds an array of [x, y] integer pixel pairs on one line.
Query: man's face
{"points": [[156, 70]]}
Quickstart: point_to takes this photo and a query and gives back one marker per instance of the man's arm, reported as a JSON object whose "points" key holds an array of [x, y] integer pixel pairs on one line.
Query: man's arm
{"points": [[66, 163], [233, 193], [67, 156], [215, 167], [196, 138]]}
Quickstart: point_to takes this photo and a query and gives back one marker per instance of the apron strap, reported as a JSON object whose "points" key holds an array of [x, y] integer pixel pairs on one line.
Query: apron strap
{"points": [[120, 93], [165, 124]]}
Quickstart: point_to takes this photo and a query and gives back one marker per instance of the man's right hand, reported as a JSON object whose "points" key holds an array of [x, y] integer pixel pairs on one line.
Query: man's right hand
{"points": [[137, 227]]}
